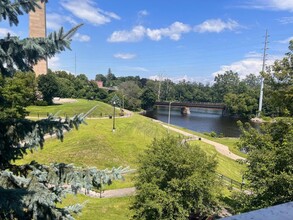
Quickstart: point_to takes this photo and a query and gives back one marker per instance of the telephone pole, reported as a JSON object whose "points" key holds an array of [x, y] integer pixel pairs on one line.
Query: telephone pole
{"points": [[262, 71]]}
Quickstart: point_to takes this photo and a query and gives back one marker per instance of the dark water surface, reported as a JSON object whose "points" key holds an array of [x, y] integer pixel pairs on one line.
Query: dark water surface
{"points": [[200, 120]]}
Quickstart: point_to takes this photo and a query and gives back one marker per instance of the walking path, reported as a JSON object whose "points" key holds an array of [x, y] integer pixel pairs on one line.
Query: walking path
{"points": [[222, 149]]}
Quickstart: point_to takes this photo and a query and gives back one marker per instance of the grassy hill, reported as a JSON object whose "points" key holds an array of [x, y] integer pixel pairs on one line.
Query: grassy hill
{"points": [[72, 108], [96, 145]]}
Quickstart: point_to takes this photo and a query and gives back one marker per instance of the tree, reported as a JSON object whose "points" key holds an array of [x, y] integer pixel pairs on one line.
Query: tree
{"points": [[31, 191], [16, 93], [175, 181], [280, 82], [270, 164], [132, 92], [148, 99], [48, 86], [224, 84]]}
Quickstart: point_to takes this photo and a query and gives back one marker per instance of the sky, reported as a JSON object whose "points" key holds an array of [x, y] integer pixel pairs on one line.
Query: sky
{"points": [[191, 40]]}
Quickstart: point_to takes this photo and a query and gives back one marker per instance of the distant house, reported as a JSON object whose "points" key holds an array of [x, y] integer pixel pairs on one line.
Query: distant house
{"points": [[100, 84]]}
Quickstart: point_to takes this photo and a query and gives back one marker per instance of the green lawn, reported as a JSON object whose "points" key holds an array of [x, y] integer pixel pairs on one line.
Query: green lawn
{"points": [[100, 209], [96, 145], [70, 109]]}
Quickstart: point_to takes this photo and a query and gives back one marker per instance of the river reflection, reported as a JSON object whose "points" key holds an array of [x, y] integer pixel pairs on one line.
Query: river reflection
{"points": [[200, 120]]}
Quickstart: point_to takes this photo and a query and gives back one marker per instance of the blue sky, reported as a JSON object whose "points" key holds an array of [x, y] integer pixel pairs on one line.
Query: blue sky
{"points": [[186, 39]]}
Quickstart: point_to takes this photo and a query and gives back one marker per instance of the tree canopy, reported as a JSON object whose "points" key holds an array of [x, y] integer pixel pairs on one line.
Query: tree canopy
{"points": [[175, 181], [270, 164]]}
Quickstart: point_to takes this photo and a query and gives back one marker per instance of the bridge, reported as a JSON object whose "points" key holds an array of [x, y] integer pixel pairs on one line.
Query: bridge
{"points": [[210, 105]]}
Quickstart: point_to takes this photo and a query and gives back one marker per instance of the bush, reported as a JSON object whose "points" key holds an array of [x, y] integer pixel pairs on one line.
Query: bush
{"points": [[41, 103]]}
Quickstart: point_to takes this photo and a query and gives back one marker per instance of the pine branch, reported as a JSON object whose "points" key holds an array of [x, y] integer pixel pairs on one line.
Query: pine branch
{"points": [[11, 10]]}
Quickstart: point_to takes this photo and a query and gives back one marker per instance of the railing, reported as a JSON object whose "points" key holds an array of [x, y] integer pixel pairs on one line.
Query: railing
{"points": [[193, 104], [230, 182]]}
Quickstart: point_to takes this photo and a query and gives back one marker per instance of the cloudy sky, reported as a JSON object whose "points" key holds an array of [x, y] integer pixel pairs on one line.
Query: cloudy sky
{"points": [[176, 39]]}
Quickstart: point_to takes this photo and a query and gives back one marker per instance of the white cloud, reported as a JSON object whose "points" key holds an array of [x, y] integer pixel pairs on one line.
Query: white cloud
{"points": [[143, 13], [174, 32], [56, 21], [54, 63], [283, 5], [216, 25], [88, 11], [125, 56], [286, 20], [136, 34], [252, 63], [286, 41], [81, 37], [5, 31]]}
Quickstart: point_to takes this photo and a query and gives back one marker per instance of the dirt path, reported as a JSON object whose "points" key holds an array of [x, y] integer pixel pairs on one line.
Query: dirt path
{"points": [[222, 149]]}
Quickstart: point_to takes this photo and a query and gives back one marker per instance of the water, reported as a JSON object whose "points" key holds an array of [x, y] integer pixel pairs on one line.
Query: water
{"points": [[200, 120]]}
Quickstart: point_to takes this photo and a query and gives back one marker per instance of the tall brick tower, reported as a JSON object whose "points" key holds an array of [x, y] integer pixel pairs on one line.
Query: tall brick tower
{"points": [[37, 28]]}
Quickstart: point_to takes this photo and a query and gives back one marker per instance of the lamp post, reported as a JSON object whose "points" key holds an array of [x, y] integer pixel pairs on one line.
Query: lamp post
{"points": [[169, 115], [114, 103]]}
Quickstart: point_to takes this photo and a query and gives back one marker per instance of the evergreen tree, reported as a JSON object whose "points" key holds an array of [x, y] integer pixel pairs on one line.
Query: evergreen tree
{"points": [[31, 191]]}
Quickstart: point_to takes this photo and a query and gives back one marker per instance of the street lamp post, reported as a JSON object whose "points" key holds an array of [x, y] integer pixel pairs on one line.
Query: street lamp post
{"points": [[169, 115], [114, 103]]}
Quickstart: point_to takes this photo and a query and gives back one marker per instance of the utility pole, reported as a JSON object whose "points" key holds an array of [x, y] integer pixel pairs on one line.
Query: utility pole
{"points": [[262, 78], [75, 64], [159, 93]]}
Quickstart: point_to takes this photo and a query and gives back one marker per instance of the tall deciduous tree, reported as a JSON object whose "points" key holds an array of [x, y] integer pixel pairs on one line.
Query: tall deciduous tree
{"points": [[175, 181], [270, 164], [31, 191], [280, 82]]}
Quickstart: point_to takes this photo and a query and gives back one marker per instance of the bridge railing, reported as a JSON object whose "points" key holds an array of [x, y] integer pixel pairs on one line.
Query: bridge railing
{"points": [[193, 104]]}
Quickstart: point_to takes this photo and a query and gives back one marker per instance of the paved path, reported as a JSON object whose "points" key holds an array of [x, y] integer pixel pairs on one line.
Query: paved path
{"points": [[110, 193], [222, 149]]}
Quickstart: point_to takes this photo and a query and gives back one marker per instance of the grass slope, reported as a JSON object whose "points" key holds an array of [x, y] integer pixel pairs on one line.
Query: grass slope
{"points": [[226, 166], [96, 145], [100, 209], [70, 109]]}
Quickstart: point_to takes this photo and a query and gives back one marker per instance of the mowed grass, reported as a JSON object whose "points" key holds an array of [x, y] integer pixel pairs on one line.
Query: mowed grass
{"points": [[226, 166], [96, 145], [71, 109], [100, 209], [231, 143]]}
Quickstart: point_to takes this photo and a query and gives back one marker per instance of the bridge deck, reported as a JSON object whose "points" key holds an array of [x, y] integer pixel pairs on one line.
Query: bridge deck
{"points": [[193, 104]]}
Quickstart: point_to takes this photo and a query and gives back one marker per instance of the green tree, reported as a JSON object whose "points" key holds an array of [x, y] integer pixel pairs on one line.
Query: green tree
{"points": [[48, 86], [31, 191], [16, 93], [280, 82], [132, 92], [270, 164], [224, 84], [175, 181], [148, 99]]}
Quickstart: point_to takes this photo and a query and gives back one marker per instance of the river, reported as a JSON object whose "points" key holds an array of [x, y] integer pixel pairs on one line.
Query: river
{"points": [[200, 120]]}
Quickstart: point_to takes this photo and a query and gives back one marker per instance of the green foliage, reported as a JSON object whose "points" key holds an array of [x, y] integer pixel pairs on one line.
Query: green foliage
{"points": [[148, 99], [279, 86], [270, 164], [16, 93], [175, 181], [224, 84], [48, 86]]}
